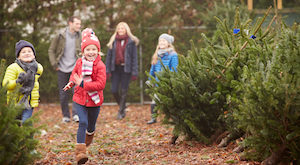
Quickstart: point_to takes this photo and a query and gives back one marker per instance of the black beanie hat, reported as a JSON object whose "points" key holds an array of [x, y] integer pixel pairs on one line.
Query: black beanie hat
{"points": [[21, 44]]}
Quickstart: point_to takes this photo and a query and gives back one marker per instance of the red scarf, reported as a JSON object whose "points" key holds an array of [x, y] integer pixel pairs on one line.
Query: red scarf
{"points": [[120, 49]]}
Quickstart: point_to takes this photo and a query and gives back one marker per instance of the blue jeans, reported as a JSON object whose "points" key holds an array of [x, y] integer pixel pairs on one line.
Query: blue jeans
{"points": [[87, 120], [26, 114], [63, 79]]}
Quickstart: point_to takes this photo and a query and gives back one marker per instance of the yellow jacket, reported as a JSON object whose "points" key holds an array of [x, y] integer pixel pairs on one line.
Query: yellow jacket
{"points": [[9, 80]]}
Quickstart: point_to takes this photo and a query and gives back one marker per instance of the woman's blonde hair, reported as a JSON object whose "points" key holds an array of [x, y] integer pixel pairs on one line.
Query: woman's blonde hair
{"points": [[128, 31], [155, 55]]}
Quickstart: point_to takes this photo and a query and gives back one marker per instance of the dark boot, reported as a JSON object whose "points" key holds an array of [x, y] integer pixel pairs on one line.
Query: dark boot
{"points": [[117, 97], [122, 105], [153, 115]]}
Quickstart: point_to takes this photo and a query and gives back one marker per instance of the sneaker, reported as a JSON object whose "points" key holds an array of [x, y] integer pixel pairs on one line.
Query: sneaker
{"points": [[76, 118], [152, 121], [66, 120]]}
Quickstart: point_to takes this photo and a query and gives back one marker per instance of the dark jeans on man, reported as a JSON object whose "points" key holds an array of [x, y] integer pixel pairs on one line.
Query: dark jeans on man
{"points": [[63, 79], [119, 77]]}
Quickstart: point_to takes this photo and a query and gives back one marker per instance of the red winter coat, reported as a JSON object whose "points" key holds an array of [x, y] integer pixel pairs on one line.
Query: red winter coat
{"points": [[97, 84]]}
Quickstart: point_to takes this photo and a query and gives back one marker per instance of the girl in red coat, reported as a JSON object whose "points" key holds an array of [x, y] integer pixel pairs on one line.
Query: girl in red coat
{"points": [[89, 78]]}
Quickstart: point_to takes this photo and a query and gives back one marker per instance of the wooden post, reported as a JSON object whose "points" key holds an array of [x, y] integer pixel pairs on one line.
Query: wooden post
{"points": [[279, 4], [250, 4]]}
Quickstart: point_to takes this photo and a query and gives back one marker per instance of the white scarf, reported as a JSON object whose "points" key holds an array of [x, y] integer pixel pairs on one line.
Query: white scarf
{"points": [[161, 52], [87, 70]]}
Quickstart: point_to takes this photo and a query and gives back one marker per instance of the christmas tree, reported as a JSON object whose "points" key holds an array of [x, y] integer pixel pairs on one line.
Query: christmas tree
{"points": [[245, 80], [269, 106], [194, 98], [17, 145]]}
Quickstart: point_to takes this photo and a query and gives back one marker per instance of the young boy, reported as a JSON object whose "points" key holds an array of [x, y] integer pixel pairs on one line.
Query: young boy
{"points": [[24, 71], [89, 76]]}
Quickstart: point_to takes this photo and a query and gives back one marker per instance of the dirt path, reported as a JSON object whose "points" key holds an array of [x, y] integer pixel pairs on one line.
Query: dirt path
{"points": [[129, 141]]}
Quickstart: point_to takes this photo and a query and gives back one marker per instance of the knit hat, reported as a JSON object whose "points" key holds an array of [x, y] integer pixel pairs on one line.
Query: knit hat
{"points": [[21, 44], [167, 37], [89, 38]]}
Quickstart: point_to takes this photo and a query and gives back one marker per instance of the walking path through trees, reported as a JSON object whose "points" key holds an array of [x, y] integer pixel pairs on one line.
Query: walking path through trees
{"points": [[129, 141]]}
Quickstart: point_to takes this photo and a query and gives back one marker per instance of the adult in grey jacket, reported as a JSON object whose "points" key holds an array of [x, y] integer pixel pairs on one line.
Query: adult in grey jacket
{"points": [[63, 53], [122, 64]]}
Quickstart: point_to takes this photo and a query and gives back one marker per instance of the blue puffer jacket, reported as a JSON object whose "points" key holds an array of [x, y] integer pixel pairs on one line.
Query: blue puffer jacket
{"points": [[131, 58], [169, 60]]}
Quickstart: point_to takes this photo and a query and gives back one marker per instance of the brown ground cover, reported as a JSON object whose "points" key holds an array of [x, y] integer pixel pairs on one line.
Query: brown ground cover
{"points": [[129, 141]]}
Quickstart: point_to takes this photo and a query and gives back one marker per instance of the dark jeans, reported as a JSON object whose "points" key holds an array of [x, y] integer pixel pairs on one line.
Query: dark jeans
{"points": [[119, 77], [87, 120], [63, 79]]}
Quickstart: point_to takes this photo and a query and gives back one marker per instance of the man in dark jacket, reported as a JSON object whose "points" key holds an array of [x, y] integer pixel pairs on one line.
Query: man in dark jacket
{"points": [[63, 53]]}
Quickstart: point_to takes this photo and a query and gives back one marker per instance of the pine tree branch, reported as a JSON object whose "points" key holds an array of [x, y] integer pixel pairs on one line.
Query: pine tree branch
{"points": [[245, 44]]}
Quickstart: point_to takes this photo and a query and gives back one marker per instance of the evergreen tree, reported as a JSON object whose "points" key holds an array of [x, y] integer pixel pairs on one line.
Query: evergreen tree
{"points": [[269, 104], [224, 11], [245, 78], [194, 98], [17, 145]]}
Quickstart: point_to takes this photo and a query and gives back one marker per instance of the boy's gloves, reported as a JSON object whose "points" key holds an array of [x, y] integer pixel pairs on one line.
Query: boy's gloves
{"points": [[25, 89], [21, 78], [69, 85]]}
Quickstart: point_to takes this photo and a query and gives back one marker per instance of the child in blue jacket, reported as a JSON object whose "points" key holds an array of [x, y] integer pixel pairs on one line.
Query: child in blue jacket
{"points": [[169, 58]]}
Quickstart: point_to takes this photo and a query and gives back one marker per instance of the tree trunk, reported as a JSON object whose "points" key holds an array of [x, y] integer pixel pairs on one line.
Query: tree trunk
{"points": [[173, 139], [275, 157]]}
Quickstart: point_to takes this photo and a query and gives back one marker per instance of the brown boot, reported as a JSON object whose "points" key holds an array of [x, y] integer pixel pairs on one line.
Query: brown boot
{"points": [[89, 138], [80, 152]]}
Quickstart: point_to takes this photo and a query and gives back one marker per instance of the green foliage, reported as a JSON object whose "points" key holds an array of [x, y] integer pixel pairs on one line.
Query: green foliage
{"points": [[2, 68], [269, 106], [34, 21], [48, 81], [17, 146], [194, 98], [184, 103], [262, 4], [147, 20], [237, 83], [225, 12]]}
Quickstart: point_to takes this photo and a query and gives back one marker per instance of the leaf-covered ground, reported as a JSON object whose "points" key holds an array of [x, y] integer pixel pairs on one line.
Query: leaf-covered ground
{"points": [[127, 141]]}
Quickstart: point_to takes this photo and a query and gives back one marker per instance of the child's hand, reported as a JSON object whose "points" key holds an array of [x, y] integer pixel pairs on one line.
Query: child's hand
{"points": [[78, 79], [21, 78], [68, 86]]}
